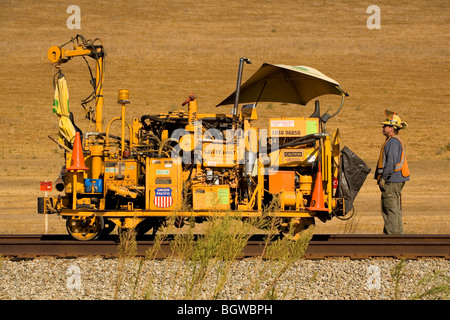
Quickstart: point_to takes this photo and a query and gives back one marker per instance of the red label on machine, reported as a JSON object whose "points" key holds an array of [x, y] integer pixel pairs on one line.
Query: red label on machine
{"points": [[46, 186], [163, 197], [335, 183]]}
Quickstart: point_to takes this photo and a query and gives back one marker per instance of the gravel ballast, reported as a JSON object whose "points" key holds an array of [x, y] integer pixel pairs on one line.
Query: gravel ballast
{"points": [[97, 278]]}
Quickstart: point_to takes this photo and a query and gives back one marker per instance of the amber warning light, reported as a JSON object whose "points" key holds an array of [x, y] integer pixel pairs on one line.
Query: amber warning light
{"points": [[46, 186]]}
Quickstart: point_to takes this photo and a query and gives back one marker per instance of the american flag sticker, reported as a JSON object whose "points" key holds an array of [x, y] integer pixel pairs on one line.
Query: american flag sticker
{"points": [[163, 197]]}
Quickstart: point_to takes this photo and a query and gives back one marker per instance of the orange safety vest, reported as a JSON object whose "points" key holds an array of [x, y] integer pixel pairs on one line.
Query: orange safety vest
{"points": [[401, 166]]}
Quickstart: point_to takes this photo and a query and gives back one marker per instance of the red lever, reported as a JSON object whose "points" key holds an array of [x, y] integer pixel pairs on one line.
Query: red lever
{"points": [[191, 97]]}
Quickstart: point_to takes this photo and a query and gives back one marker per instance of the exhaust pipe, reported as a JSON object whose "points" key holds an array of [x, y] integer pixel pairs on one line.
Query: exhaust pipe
{"points": [[59, 183], [238, 89]]}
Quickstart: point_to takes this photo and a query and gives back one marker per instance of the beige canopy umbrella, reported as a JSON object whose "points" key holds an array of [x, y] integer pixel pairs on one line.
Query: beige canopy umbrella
{"points": [[66, 133], [283, 83]]}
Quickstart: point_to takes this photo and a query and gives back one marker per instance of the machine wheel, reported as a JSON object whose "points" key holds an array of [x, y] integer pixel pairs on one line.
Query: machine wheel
{"points": [[295, 228], [85, 228]]}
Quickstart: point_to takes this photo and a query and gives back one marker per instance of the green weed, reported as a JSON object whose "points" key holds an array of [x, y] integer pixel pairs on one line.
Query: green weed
{"points": [[434, 285]]}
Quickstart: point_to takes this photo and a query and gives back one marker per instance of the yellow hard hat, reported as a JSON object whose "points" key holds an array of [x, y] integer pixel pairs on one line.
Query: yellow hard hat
{"points": [[392, 119]]}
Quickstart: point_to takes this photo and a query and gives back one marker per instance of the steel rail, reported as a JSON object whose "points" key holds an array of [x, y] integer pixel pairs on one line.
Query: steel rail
{"points": [[321, 246]]}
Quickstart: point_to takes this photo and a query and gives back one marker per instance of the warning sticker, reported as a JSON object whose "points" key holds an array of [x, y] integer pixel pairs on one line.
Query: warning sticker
{"points": [[311, 127], [223, 195]]}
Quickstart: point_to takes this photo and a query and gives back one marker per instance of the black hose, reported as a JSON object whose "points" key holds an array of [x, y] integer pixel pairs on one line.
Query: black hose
{"points": [[310, 138]]}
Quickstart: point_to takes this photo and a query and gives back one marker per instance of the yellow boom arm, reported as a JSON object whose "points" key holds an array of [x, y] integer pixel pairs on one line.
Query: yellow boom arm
{"points": [[58, 55]]}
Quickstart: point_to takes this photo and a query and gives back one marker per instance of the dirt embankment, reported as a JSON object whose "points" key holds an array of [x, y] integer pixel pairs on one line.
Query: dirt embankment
{"points": [[164, 50]]}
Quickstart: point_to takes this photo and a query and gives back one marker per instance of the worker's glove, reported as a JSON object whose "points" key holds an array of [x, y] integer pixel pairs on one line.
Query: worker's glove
{"points": [[381, 184]]}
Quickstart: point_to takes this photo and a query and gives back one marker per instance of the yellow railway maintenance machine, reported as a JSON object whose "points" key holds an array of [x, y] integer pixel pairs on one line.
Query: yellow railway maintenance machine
{"points": [[185, 164]]}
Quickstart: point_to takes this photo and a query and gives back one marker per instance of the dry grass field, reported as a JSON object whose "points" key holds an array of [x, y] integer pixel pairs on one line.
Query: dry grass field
{"points": [[164, 50]]}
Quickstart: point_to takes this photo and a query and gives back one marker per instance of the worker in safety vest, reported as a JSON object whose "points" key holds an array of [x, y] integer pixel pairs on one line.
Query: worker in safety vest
{"points": [[392, 172]]}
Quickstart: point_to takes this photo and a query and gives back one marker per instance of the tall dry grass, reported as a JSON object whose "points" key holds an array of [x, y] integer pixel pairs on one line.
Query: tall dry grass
{"points": [[200, 266]]}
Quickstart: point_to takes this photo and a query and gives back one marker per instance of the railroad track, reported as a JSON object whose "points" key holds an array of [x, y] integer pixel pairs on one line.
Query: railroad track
{"points": [[321, 246]]}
